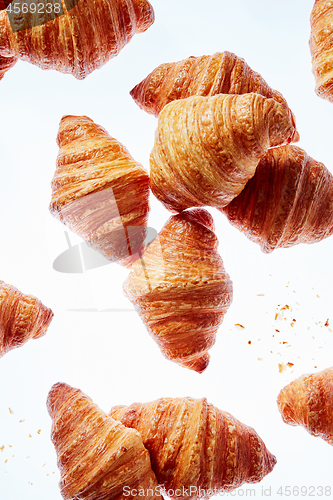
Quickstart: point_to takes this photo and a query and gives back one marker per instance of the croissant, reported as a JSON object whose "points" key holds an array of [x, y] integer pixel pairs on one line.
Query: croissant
{"points": [[197, 450], [22, 317], [5, 64], [308, 401], [207, 148], [288, 201], [181, 290], [75, 37], [221, 73], [97, 456], [99, 191], [321, 47]]}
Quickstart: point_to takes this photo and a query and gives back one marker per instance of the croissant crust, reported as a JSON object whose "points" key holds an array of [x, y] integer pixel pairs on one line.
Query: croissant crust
{"points": [[22, 317], [308, 401], [79, 41], [195, 447], [207, 148], [221, 73], [97, 456], [288, 201], [99, 191], [181, 290], [321, 47]]}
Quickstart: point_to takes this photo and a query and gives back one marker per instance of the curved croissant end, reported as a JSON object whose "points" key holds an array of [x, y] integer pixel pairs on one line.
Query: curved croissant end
{"points": [[207, 148], [181, 290], [80, 40], [221, 73], [99, 191], [308, 401], [321, 47], [97, 456], [22, 317], [194, 445], [5, 64], [288, 201]]}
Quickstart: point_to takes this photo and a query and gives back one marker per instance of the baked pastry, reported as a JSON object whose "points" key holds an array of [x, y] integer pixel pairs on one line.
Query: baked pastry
{"points": [[288, 201], [207, 148], [221, 73], [321, 47], [76, 37], [99, 191], [308, 401], [98, 457], [6, 63], [196, 449], [181, 290], [22, 317]]}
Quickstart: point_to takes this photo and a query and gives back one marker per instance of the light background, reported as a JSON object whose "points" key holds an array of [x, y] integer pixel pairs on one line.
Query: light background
{"points": [[109, 355]]}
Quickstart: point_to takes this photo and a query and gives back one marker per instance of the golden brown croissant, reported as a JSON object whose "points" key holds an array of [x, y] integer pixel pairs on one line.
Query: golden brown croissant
{"points": [[288, 201], [181, 289], [99, 191], [74, 40], [207, 148], [308, 401], [321, 47], [97, 456], [5, 64], [196, 449], [221, 73], [22, 317]]}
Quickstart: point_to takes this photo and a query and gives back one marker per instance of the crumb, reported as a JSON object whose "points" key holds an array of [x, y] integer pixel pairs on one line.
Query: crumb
{"points": [[249, 342], [30, 435], [2, 448], [290, 365], [318, 296], [260, 359], [276, 316], [21, 421], [284, 307], [6, 460], [277, 330], [260, 295], [10, 411], [39, 431], [327, 322], [284, 342], [282, 367], [238, 325]]}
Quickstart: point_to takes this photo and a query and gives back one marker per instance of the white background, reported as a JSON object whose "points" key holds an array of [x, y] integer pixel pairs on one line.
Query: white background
{"points": [[109, 355]]}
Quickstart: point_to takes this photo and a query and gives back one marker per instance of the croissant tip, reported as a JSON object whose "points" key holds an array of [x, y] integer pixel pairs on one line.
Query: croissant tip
{"points": [[196, 363], [56, 396]]}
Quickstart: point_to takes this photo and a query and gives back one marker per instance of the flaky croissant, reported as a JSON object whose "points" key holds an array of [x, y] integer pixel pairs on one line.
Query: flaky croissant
{"points": [[75, 40], [221, 73], [181, 290], [99, 191], [308, 401], [98, 457], [22, 317], [321, 47], [196, 449], [288, 201], [207, 148]]}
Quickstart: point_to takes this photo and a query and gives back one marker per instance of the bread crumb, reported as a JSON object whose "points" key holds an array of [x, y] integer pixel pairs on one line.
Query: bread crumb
{"points": [[238, 325], [282, 367], [249, 342], [327, 322], [10, 411], [2, 448]]}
